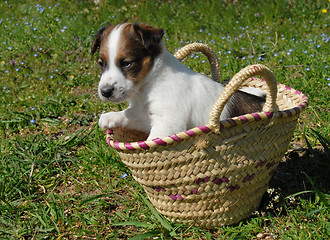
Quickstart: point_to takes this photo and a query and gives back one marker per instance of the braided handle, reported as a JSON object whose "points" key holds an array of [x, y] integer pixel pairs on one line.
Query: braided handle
{"points": [[207, 51], [236, 82]]}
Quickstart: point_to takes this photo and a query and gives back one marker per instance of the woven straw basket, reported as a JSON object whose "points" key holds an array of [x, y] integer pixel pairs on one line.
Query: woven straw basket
{"points": [[215, 174]]}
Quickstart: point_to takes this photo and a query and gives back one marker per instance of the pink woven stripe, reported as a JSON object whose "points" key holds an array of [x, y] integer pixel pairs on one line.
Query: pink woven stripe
{"points": [[217, 181], [129, 146], [288, 112], [269, 115], [159, 189], [243, 119], [176, 197], [261, 163], [194, 191], [248, 177], [176, 138], [270, 164], [116, 144], [205, 129], [297, 109], [159, 141], [298, 92], [232, 122], [108, 141], [172, 196], [199, 180], [225, 179], [256, 116], [179, 197], [143, 144], [233, 188], [288, 88], [190, 133]]}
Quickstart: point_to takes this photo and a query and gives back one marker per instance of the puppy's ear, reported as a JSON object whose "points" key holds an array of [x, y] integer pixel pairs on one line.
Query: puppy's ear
{"points": [[97, 40], [150, 36]]}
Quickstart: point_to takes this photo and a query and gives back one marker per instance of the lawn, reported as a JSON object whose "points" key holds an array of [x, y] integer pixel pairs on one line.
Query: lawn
{"points": [[58, 177]]}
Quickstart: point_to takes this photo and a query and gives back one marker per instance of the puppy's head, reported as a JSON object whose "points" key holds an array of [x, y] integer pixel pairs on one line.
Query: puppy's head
{"points": [[126, 55]]}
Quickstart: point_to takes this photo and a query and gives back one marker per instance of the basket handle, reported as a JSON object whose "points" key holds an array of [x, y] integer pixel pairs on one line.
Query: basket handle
{"points": [[183, 52], [236, 82]]}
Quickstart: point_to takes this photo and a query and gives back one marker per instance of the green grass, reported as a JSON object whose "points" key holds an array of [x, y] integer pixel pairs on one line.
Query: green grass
{"points": [[58, 177]]}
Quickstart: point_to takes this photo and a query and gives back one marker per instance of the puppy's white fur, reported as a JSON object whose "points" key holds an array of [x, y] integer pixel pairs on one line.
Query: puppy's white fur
{"points": [[171, 98]]}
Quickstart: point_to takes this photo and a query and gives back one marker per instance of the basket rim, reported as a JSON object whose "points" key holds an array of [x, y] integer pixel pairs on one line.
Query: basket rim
{"points": [[205, 129]]}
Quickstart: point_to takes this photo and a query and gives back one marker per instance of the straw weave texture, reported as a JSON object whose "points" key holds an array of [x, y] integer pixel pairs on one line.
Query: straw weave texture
{"points": [[216, 174]]}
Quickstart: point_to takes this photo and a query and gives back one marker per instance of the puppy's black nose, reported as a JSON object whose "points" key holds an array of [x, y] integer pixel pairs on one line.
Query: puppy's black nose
{"points": [[106, 91]]}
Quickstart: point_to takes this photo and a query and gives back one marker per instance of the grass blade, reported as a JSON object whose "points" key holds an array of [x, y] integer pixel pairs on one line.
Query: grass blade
{"points": [[93, 198], [146, 235], [323, 197], [299, 193], [315, 211], [160, 218], [134, 223], [310, 149], [324, 142]]}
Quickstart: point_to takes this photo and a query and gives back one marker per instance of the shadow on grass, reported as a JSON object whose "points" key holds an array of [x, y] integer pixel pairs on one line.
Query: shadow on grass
{"points": [[290, 175], [301, 171]]}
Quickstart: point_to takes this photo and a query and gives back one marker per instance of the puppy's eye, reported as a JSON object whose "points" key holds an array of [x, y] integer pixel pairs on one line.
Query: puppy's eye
{"points": [[100, 62], [125, 64]]}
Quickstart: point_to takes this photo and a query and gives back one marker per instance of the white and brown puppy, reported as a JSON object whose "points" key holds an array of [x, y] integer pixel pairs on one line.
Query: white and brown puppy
{"points": [[165, 97]]}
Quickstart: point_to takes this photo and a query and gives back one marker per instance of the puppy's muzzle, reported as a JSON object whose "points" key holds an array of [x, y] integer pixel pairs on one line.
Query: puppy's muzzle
{"points": [[107, 91]]}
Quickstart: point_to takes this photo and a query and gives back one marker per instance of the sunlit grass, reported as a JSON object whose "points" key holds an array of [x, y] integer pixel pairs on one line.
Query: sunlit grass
{"points": [[59, 179]]}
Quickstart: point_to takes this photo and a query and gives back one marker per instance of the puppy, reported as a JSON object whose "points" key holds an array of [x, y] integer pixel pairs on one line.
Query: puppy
{"points": [[165, 97]]}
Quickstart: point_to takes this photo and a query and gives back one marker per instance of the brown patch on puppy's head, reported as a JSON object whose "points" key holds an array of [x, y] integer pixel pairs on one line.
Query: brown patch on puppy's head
{"points": [[149, 36], [99, 43], [101, 35], [138, 46]]}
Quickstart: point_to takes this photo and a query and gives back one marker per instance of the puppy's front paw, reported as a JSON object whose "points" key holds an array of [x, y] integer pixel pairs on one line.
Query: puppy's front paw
{"points": [[111, 120]]}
